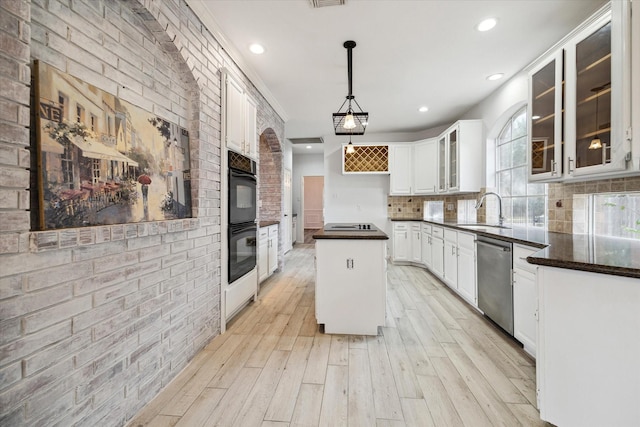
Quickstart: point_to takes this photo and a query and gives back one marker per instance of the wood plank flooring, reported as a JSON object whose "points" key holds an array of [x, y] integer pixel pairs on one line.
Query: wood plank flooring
{"points": [[435, 363]]}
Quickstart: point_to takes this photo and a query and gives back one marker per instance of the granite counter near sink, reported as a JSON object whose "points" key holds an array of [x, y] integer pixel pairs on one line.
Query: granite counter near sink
{"points": [[596, 254]]}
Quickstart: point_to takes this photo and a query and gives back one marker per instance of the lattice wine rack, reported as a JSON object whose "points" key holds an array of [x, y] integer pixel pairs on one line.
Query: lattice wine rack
{"points": [[366, 159]]}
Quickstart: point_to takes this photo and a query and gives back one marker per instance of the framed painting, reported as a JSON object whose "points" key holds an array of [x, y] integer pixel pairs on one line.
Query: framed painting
{"points": [[102, 160]]}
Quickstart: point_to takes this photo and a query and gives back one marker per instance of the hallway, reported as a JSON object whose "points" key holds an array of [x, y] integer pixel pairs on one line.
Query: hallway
{"points": [[435, 363]]}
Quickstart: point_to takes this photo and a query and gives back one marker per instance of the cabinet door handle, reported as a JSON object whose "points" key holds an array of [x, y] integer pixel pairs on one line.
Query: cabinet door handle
{"points": [[453, 250], [554, 168], [570, 163]]}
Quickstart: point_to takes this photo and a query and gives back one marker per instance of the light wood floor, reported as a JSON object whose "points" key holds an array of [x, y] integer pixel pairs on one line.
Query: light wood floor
{"points": [[435, 363]]}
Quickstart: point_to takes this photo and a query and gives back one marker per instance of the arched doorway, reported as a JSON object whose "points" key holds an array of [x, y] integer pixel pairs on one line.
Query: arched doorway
{"points": [[270, 182]]}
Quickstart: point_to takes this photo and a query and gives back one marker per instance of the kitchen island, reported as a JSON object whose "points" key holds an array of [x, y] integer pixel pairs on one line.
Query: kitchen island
{"points": [[351, 278]]}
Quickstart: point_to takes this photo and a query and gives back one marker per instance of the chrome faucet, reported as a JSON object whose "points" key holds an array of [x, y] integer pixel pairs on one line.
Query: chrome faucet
{"points": [[479, 204]]}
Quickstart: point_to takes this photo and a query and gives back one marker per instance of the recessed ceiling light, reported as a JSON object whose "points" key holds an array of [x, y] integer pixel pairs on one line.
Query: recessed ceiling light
{"points": [[308, 147], [423, 109], [487, 24], [256, 48], [496, 76]]}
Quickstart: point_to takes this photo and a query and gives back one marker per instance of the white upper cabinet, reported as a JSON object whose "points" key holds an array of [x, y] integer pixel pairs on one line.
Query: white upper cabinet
{"points": [[401, 180], [460, 157], [451, 163], [545, 119], [239, 123], [596, 114], [251, 127], [425, 166]]}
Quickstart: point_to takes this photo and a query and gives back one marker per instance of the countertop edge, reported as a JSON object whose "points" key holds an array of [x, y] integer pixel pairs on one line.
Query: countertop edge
{"points": [[347, 236], [587, 267], [263, 224], [543, 258]]}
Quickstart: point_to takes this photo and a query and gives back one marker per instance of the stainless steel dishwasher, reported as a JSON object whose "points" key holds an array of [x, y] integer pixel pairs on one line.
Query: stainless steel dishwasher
{"points": [[495, 291]]}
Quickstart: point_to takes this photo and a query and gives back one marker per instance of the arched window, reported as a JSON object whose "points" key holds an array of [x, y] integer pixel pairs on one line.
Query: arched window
{"points": [[524, 204]]}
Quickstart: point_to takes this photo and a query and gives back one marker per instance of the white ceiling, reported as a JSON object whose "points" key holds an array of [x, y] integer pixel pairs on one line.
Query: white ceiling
{"points": [[409, 53]]}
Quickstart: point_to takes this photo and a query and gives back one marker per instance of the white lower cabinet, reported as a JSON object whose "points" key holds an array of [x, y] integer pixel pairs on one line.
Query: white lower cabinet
{"points": [[407, 242], [427, 247], [351, 285], [467, 284], [416, 243], [401, 241], [525, 299], [451, 258], [273, 248], [263, 253], [437, 251], [588, 350], [267, 251]]}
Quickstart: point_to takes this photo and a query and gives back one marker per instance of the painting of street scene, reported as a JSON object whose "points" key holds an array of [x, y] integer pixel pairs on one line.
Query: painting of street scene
{"points": [[103, 160]]}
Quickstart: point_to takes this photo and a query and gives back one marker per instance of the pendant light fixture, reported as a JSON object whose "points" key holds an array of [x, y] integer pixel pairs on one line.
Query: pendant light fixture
{"points": [[596, 143], [350, 147], [350, 122]]}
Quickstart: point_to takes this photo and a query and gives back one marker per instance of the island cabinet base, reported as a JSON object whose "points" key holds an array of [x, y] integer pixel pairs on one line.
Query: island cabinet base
{"points": [[351, 285], [588, 363]]}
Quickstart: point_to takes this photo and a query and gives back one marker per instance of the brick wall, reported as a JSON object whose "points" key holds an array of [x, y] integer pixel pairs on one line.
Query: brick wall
{"points": [[95, 321], [271, 187]]}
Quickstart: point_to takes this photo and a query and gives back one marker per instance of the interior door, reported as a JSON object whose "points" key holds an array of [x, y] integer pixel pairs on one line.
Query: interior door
{"points": [[286, 222], [313, 202]]}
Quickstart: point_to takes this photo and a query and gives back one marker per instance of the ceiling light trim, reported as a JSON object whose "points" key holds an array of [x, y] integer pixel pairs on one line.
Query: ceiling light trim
{"points": [[257, 48], [315, 4], [487, 24]]}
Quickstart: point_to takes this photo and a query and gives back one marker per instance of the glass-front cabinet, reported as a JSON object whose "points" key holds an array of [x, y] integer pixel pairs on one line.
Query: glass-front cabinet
{"points": [[459, 149], [442, 164], [452, 141], [545, 119], [579, 102]]}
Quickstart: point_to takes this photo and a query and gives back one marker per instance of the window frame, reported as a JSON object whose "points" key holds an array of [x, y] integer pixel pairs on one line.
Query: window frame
{"points": [[521, 197]]}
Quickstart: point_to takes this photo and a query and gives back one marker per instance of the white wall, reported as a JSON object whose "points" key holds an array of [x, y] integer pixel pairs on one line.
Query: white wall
{"points": [[353, 197], [494, 112]]}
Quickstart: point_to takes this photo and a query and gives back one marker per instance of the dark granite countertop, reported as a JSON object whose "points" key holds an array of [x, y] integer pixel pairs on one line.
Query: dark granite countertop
{"points": [[373, 234], [267, 223], [596, 254]]}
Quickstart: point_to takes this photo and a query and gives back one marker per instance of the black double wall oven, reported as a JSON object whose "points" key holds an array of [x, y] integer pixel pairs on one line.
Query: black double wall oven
{"points": [[242, 215]]}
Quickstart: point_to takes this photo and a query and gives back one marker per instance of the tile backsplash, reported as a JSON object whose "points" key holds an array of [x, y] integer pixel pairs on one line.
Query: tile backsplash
{"points": [[566, 204], [411, 207], [566, 207]]}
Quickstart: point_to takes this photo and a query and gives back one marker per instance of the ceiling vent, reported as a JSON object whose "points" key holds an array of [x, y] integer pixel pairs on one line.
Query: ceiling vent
{"points": [[306, 141], [324, 3]]}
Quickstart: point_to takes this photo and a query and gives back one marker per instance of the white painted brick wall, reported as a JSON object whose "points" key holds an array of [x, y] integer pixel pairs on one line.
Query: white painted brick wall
{"points": [[95, 321]]}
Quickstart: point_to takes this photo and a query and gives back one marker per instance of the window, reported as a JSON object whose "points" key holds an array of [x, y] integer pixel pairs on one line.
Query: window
{"points": [[79, 113], [522, 203], [615, 215], [62, 101], [93, 122]]}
